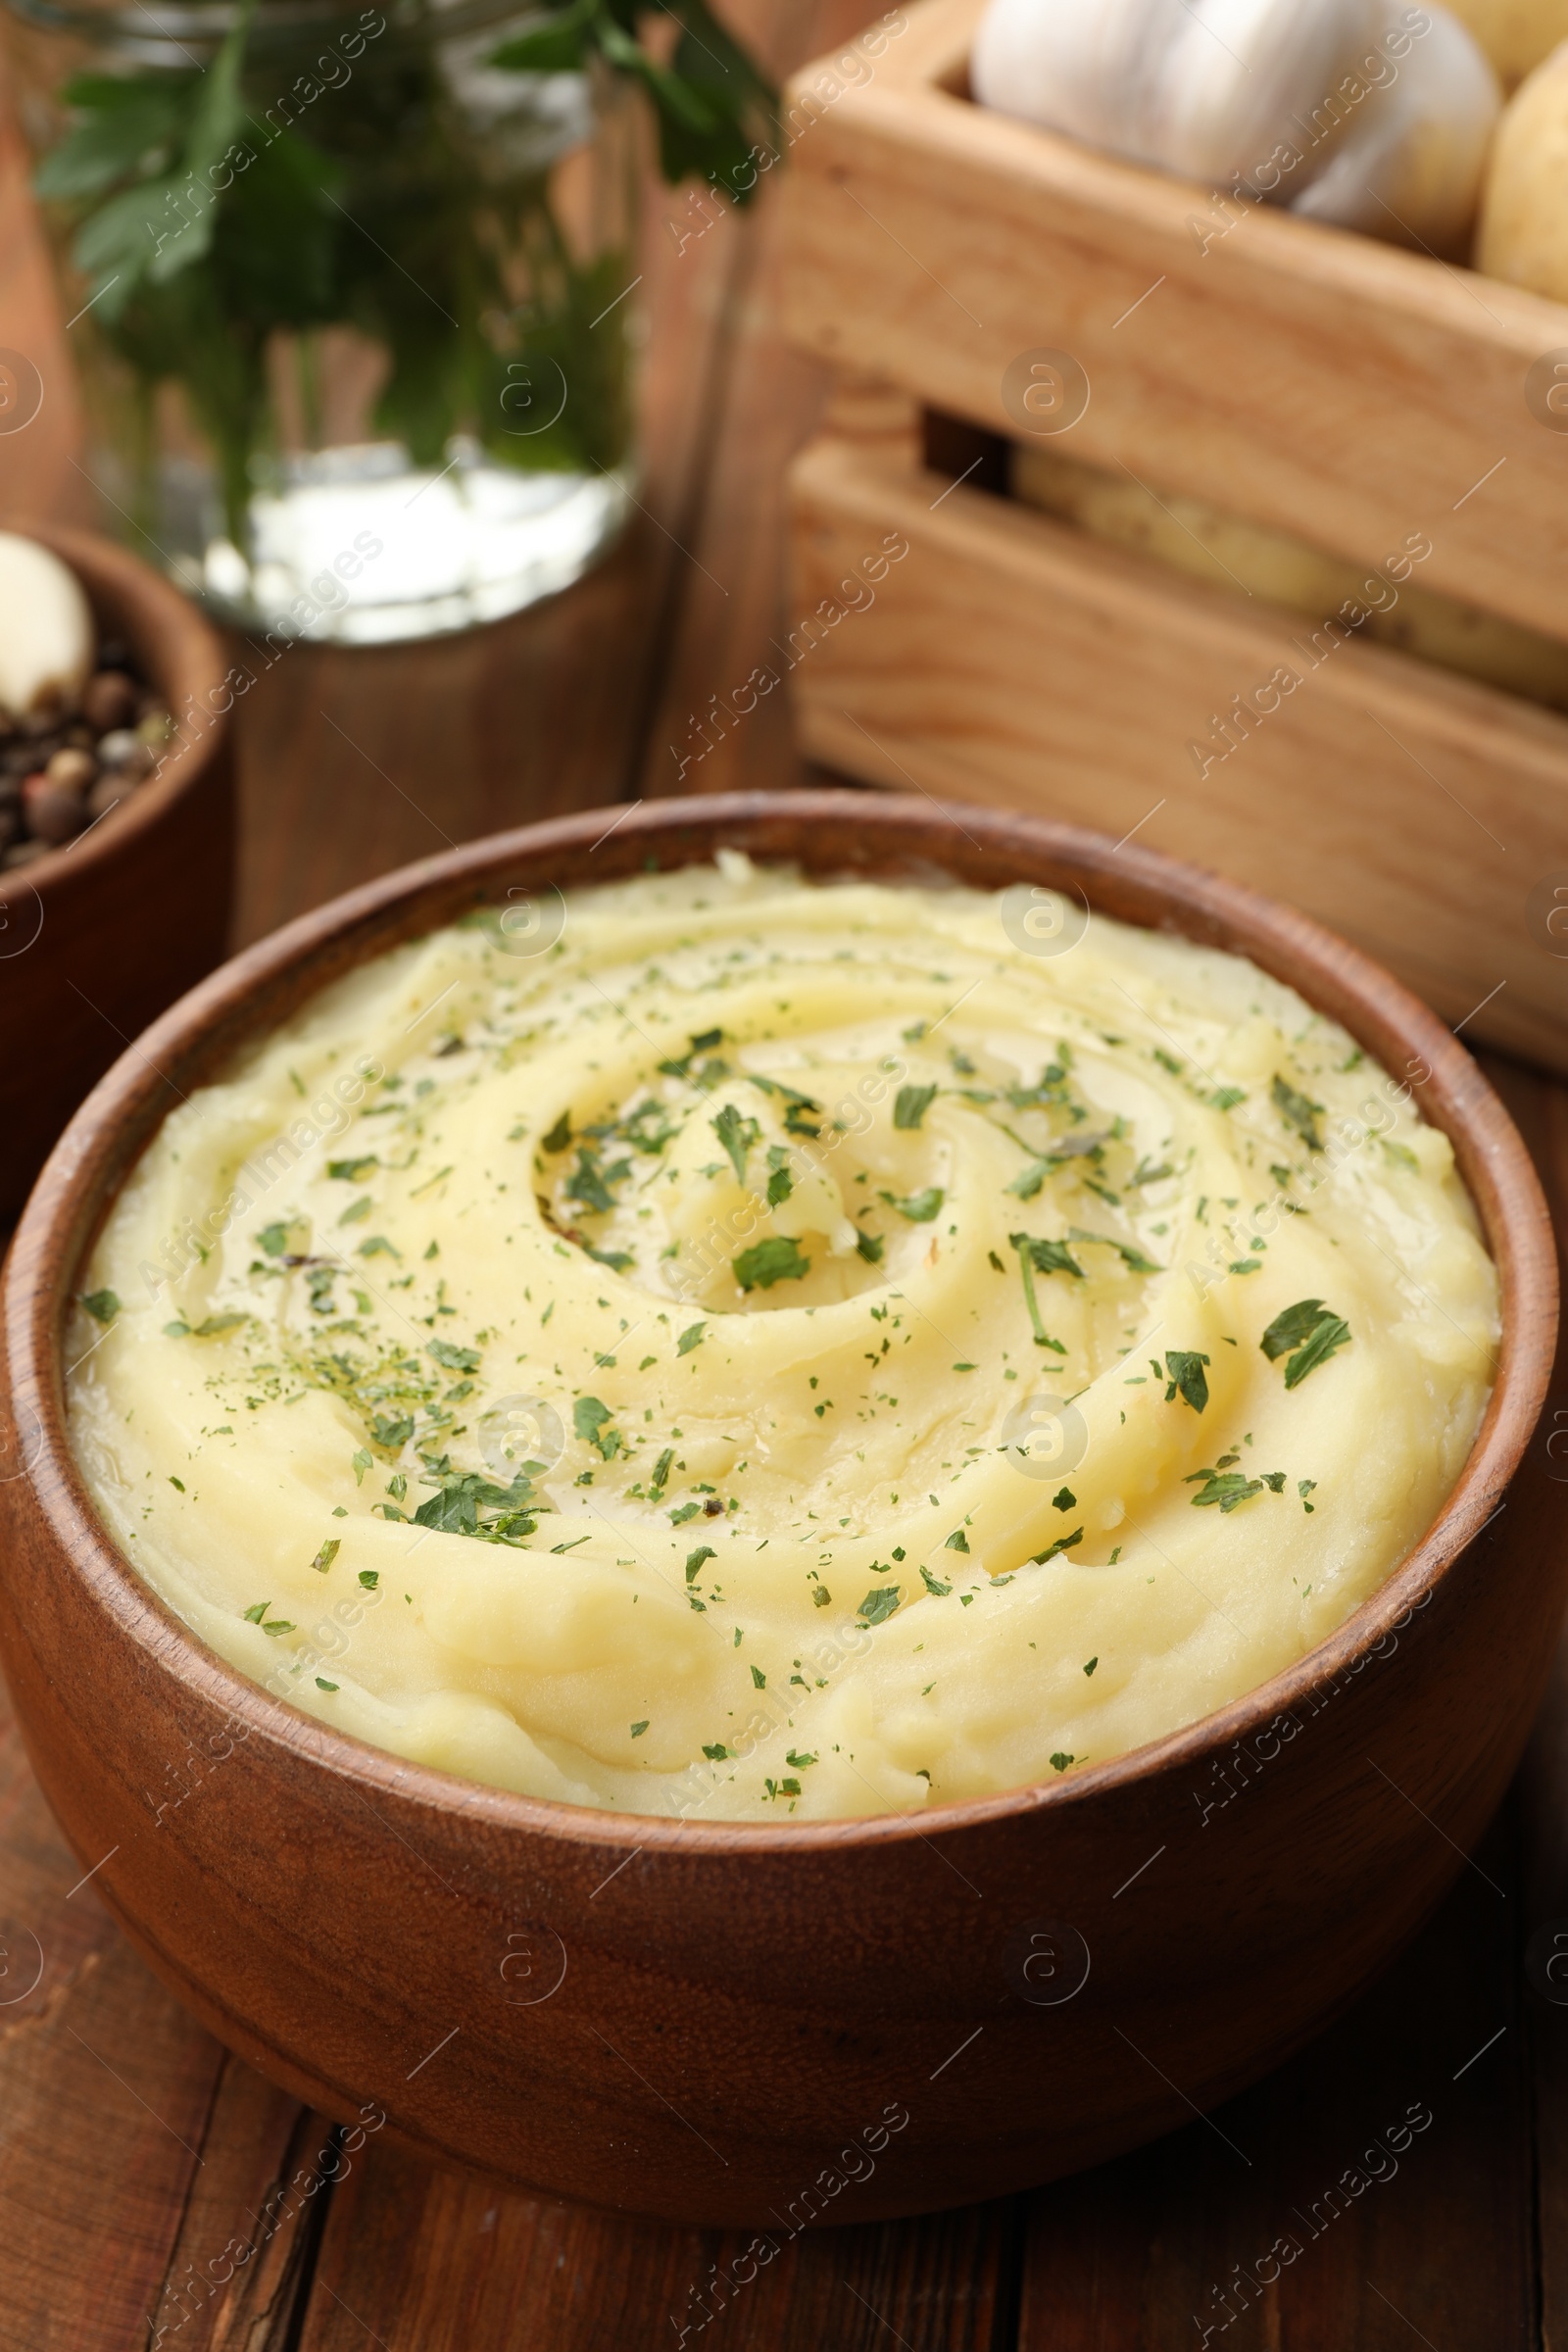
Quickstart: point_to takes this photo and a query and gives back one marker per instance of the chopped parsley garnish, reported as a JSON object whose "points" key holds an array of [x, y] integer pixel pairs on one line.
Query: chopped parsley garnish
{"points": [[1090, 1668], [1062, 1544], [327, 1554], [638, 1729], [321, 1683], [1046, 1257], [799, 1761], [588, 1419], [559, 1136], [1187, 1380], [879, 1604], [689, 1339], [274, 1239], [466, 1503], [956, 1542], [1132, 1256], [101, 1305], [1065, 1500], [737, 1134], [717, 1753], [684, 1511], [1299, 1112], [349, 1171], [391, 1431], [758, 1679], [1307, 1333], [1061, 1761], [1229, 1489], [695, 1559], [870, 1246], [455, 1359], [918, 1207], [777, 1259], [912, 1105], [589, 1183], [798, 1108], [934, 1584], [780, 1181]]}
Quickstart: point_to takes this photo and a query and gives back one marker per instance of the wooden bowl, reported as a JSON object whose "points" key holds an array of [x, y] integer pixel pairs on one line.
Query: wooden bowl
{"points": [[98, 937], [735, 2024]]}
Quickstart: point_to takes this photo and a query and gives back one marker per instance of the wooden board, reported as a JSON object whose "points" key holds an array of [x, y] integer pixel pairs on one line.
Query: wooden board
{"points": [[1008, 658], [1296, 375]]}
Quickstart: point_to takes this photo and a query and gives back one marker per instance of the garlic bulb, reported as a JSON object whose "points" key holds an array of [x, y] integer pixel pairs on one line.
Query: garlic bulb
{"points": [[47, 634], [1276, 95], [1408, 165]]}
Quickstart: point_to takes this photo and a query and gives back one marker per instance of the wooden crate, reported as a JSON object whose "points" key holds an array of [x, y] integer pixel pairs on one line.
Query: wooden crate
{"points": [[1311, 379]]}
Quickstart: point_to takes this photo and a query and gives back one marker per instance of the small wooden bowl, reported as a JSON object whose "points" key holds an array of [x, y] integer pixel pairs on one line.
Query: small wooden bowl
{"points": [[98, 937], [736, 2024]]}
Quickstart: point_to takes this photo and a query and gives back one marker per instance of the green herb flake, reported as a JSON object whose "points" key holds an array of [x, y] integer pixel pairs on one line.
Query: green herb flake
{"points": [[1308, 1333], [1185, 1367], [777, 1259], [1062, 1544], [690, 1338], [1297, 1110], [918, 1207], [101, 1305], [912, 1105], [879, 1604], [327, 1554]]}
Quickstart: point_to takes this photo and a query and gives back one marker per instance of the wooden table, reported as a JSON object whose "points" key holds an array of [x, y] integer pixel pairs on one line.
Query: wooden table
{"points": [[154, 2191]]}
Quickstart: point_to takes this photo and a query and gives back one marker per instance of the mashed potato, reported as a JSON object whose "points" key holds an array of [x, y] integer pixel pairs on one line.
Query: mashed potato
{"points": [[726, 1346]]}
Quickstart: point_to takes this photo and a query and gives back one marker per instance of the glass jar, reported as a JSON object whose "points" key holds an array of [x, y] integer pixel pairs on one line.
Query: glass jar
{"points": [[352, 304]]}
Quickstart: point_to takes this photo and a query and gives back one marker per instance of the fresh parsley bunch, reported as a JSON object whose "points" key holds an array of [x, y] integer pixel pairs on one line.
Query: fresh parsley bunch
{"points": [[712, 104], [204, 228]]}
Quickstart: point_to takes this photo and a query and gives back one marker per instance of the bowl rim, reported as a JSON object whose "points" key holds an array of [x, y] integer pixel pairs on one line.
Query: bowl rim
{"points": [[190, 669], [214, 1020]]}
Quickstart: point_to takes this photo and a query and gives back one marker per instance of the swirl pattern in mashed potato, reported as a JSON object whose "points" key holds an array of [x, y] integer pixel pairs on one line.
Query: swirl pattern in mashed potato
{"points": [[781, 1351]]}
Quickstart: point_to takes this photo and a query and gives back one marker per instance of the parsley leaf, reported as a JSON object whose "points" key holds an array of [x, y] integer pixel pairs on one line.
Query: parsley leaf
{"points": [[737, 1134], [1299, 1112], [1309, 1333], [777, 1259], [1187, 1379], [912, 1105], [918, 1207]]}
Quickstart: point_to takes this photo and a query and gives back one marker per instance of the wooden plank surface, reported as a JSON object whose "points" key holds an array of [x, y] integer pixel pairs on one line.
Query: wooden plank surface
{"points": [[1007, 657], [1296, 375], [148, 2182]]}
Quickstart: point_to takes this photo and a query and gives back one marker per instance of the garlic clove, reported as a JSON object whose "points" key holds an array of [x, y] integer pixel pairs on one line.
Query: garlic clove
{"points": [[1523, 235], [47, 635], [1408, 168]]}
